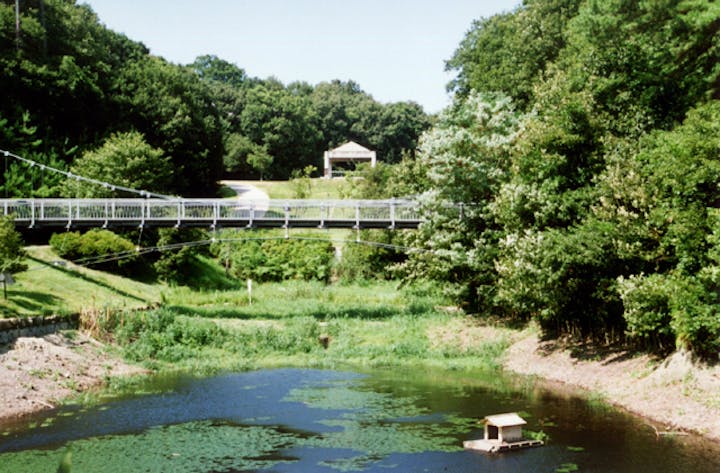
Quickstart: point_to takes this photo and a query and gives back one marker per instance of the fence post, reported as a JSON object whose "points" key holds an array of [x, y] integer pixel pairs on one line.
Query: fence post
{"points": [[216, 213], [142, 214], [392, 213], [69, 213], [252, 215]]}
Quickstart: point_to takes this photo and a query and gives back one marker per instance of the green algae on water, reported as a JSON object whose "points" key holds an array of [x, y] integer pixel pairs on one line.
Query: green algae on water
{"points": [[193, 447], [376, 424]]}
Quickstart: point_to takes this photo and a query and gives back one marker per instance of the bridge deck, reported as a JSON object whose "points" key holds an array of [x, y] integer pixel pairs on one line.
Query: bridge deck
{"points": [[212, 213]]}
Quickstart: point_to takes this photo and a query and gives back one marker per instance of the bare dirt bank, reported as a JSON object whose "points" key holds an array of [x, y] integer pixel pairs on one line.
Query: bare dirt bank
{"points": [[674, 394], [37, 373]]}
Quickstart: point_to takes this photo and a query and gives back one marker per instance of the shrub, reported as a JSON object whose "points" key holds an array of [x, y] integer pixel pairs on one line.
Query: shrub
{"points": [[279, 259], [177, 265], [161, 335], [11, 247], [696, 318], [646, 301], [100, 248], [367, 262]]}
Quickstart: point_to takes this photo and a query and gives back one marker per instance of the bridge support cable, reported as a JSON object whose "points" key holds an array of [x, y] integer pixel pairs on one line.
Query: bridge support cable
{"points": [[70, 175], [138, 250]]}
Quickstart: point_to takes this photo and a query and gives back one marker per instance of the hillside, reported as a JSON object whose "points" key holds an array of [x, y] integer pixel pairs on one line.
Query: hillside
{"points": [[53, 286]]}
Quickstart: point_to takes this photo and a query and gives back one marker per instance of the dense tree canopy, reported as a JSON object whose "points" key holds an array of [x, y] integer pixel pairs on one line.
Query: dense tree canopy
{"points": [[601, 217], [70, 83]]}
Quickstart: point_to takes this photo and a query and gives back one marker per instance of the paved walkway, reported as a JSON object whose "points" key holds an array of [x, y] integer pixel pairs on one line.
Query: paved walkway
{"points": [[248, 193]]}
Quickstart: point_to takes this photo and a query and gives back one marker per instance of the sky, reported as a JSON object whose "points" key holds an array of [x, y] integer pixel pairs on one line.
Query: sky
{"points": [[394, 49]]}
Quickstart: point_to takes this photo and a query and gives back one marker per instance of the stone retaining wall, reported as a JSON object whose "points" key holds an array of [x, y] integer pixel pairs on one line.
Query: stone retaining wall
{"points": [[12, 329]]}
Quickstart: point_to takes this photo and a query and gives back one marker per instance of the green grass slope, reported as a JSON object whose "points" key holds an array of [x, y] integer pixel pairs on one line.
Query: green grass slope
{"points": [[50, 288]]}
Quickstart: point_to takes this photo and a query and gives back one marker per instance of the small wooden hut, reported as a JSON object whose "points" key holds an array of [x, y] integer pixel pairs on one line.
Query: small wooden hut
{"points": [[502, 432]]}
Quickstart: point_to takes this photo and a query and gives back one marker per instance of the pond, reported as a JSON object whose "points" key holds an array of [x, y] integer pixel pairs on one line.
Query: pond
{"points": [[302, 420]]}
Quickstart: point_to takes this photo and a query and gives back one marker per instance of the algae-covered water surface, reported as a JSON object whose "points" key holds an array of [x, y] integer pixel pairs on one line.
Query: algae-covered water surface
{"points": [[300, 420]]}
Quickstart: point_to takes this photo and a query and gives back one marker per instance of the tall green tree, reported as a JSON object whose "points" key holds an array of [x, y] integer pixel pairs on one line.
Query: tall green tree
{"points": [[467, 156], [669, 218], [211, 67], [284, 125], [125, 159], [509, 52], [174, 110]]}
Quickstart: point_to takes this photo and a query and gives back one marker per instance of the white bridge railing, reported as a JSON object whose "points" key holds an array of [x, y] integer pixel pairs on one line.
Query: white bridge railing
{"points": [[69, 213]]}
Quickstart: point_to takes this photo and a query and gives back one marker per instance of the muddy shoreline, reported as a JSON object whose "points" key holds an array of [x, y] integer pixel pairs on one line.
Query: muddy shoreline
{"points": [[675, 394], [38, 373]]}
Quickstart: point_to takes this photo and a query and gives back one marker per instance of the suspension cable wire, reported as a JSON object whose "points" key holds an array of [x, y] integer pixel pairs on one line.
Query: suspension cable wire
{"points": [[70, 175], [111, 257]]}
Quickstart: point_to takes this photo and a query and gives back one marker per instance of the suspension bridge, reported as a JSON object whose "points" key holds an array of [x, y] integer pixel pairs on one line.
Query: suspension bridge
{"points": [[157, 210], [213, 213]]}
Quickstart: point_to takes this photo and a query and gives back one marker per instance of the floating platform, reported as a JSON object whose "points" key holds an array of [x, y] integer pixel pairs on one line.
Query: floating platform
{"points": [[494, 446]]}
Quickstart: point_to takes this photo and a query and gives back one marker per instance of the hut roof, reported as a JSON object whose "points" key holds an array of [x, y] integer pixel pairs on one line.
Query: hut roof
{"points": [[350, 148], [505, 420]]}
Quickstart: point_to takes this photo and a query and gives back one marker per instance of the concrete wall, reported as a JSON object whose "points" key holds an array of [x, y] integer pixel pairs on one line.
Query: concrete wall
{"points": [[12, 329]]}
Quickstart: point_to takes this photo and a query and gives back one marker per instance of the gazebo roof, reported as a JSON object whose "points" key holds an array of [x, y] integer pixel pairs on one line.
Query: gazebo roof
{"points": [[505, 420], [350, 149]]}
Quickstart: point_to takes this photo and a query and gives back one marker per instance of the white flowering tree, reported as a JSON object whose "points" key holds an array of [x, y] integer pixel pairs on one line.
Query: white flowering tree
{"points": [[466, 156]]}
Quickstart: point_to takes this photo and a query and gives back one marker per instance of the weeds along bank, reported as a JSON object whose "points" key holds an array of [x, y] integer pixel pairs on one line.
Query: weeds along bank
{"points": [[300, 324]]}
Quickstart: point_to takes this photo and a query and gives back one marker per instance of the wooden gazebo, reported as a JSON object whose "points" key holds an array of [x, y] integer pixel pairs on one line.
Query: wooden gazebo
{"points": [[350, 152]]}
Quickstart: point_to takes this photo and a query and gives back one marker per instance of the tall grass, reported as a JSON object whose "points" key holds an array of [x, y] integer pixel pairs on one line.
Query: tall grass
{"points": [[303, 324], [297, 299]]}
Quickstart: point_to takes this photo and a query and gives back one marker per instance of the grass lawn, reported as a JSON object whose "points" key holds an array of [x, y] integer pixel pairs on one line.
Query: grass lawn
{"points": [[320, 189], [48, 288]]}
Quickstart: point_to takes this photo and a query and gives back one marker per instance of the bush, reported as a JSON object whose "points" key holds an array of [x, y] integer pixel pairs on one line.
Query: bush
{"points": [[11, 247], [696, 318], [161, 335], [646, 301], [362, 261], [662, 309], [279, 259], [177, 265], [99, 248]]}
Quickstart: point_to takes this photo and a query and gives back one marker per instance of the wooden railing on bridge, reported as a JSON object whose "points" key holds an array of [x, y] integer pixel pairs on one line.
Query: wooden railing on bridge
{"points": [[213, 213]]}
